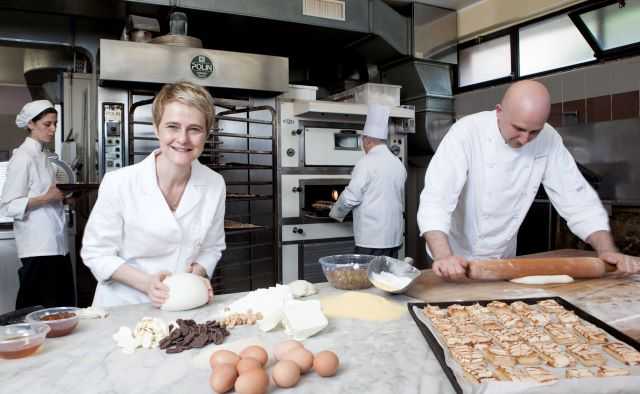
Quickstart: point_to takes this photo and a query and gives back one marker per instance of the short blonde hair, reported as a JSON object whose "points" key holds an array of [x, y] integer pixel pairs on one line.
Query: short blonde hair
{"points": [[186, 93]]}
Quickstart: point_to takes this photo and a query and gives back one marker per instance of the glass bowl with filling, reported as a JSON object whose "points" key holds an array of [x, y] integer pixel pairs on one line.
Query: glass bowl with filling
{"points": [[62, 320]]}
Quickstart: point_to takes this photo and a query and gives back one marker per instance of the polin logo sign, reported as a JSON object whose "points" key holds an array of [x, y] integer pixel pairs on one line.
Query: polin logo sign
{"points": [[201, 66]]}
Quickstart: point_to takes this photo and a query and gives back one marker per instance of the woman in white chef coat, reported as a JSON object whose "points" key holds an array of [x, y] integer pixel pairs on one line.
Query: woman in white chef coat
{"points": [[375, 191], [30, 197], [163, 215], [484, 177]]}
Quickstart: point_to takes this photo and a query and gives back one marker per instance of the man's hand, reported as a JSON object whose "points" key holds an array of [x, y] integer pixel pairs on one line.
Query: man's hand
{"points": [[453, 268], [157, 291], [196, 268], [626, 264]]}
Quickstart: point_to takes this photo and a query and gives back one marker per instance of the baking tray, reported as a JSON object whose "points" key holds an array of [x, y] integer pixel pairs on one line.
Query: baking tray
{"points": [[438, 351]]}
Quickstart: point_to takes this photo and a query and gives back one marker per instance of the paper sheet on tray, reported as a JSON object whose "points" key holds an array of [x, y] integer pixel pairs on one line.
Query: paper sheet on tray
{"points": [[619, 384]]}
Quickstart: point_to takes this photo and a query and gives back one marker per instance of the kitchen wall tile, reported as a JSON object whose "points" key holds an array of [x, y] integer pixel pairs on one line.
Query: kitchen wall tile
{"points": [[599, 109], [625, 105], [573, 112], [624, 75], [555, 116], [554, 85], [597, 81], [573, 85]]}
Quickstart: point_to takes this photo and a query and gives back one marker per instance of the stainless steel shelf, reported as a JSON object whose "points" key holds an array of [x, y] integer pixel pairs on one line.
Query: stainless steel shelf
{"points": [[234, 135]]}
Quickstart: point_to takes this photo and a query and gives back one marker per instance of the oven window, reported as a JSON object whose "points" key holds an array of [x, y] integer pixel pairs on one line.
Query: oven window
{"points": [[347, 140]]}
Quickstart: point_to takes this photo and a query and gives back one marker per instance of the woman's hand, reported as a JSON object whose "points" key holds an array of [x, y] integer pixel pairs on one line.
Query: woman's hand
{"points": [[157, 291], [53, 194], [196, 268]]}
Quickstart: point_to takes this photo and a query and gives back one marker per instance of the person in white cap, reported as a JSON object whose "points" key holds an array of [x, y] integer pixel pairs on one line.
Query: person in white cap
{"points": [[375, 191], [30, 197]]}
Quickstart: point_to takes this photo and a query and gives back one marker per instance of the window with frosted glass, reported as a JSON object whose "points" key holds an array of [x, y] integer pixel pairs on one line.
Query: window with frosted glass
{"points": [[485, 62], [614, 26], [551, 44]]}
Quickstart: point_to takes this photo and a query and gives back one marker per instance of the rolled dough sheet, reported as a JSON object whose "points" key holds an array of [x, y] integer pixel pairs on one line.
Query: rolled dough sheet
{"points": [[362, 306], [542, 279]]}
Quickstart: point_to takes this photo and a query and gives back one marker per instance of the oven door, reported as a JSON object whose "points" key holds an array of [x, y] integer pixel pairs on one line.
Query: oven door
{"points": [[332, 147]]}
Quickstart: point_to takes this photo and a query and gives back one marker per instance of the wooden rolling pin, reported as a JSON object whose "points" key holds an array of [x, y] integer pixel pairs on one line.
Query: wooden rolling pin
{"points": [[506, 269]]}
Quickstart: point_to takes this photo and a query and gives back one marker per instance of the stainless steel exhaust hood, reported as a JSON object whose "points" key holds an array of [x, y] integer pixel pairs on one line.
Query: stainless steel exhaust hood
{"points": [[133, 62], [427, 86]]}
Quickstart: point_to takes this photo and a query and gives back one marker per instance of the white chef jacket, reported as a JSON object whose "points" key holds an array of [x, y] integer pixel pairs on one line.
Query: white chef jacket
{"points": [[478, 189], [375, 194], [39, 231], [132, 223]]}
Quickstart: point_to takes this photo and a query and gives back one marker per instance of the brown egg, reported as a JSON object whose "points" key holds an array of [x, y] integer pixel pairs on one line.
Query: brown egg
{"points": [[223, 357], [326, 363], [247, 364], [255, 381], [256, 352], [302, 357], [285, 373], [284, 347], [223, 378]]}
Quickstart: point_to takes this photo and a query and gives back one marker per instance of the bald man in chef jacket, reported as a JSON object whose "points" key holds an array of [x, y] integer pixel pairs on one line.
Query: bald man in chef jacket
{"points": [[375, 192], [483, 179]]}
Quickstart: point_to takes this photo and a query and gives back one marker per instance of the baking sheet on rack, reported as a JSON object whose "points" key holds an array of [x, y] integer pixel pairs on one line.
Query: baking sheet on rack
{"points": [[619, 384]]}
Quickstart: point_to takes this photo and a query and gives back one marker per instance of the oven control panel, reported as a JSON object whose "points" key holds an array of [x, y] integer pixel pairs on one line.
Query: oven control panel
{"points": [[398, 146], [113, 136]]}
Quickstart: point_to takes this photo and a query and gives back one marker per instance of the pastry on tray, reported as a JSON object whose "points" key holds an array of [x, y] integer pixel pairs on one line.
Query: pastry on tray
{"points": [[623, 353], [577, 373], [591, 334], [551, 306], [535, 335], [510, 320], [498, 306], [586, 355], [467, 355], [457, 311], [478, 373], [506, 374], [520, 307], [524, 354], [553, 355], [568, 317], [561, 334], [432, 311], [537, 374], [499, 356], [507, 336], [537, 318], [605, 372]]}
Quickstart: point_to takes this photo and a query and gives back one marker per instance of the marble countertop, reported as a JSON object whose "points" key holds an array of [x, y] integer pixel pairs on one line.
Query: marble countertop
{"points": [[376, 357]]}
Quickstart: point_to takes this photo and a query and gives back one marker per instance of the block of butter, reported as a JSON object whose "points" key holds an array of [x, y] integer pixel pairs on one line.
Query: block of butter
{"points": [[303, 319]]}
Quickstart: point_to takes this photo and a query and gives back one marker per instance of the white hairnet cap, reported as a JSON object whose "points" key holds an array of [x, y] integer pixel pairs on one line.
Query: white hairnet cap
{"points": [[30, 111], [377, 124]]}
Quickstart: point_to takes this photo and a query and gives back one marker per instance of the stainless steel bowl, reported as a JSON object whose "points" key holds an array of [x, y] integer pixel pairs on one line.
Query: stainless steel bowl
{"points": [[393, 266]]}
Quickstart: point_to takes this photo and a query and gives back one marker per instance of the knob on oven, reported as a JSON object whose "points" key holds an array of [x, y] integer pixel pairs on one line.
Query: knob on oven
{"points": [[296, 189], [297, 230]]}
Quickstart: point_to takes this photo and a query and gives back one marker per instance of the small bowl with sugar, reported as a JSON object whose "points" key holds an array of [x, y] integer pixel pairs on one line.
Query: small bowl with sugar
{"points": [[392, 275]]}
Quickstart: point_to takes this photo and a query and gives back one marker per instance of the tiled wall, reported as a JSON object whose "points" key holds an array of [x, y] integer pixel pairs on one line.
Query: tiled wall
{"points": [[590, 94]]}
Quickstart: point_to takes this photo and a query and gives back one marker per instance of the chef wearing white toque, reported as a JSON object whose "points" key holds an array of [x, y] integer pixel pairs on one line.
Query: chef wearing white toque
{"points": [[375, 191], [30, 197]]}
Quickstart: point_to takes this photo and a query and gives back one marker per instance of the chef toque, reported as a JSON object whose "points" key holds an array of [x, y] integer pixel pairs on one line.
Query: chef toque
{"points": [[30, 111], [377, 124]]}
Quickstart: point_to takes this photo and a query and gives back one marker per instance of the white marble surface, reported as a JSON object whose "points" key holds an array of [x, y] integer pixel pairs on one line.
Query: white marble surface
{"points": [[376, 357]]}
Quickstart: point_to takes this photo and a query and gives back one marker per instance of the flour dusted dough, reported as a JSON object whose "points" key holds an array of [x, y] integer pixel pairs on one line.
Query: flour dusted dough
{"points": [[542, 279], [186, 291], [363, 306]]}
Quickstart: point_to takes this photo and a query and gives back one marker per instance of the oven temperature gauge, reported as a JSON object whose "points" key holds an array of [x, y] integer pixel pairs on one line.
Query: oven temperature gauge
{"points": [[395, 149]]}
